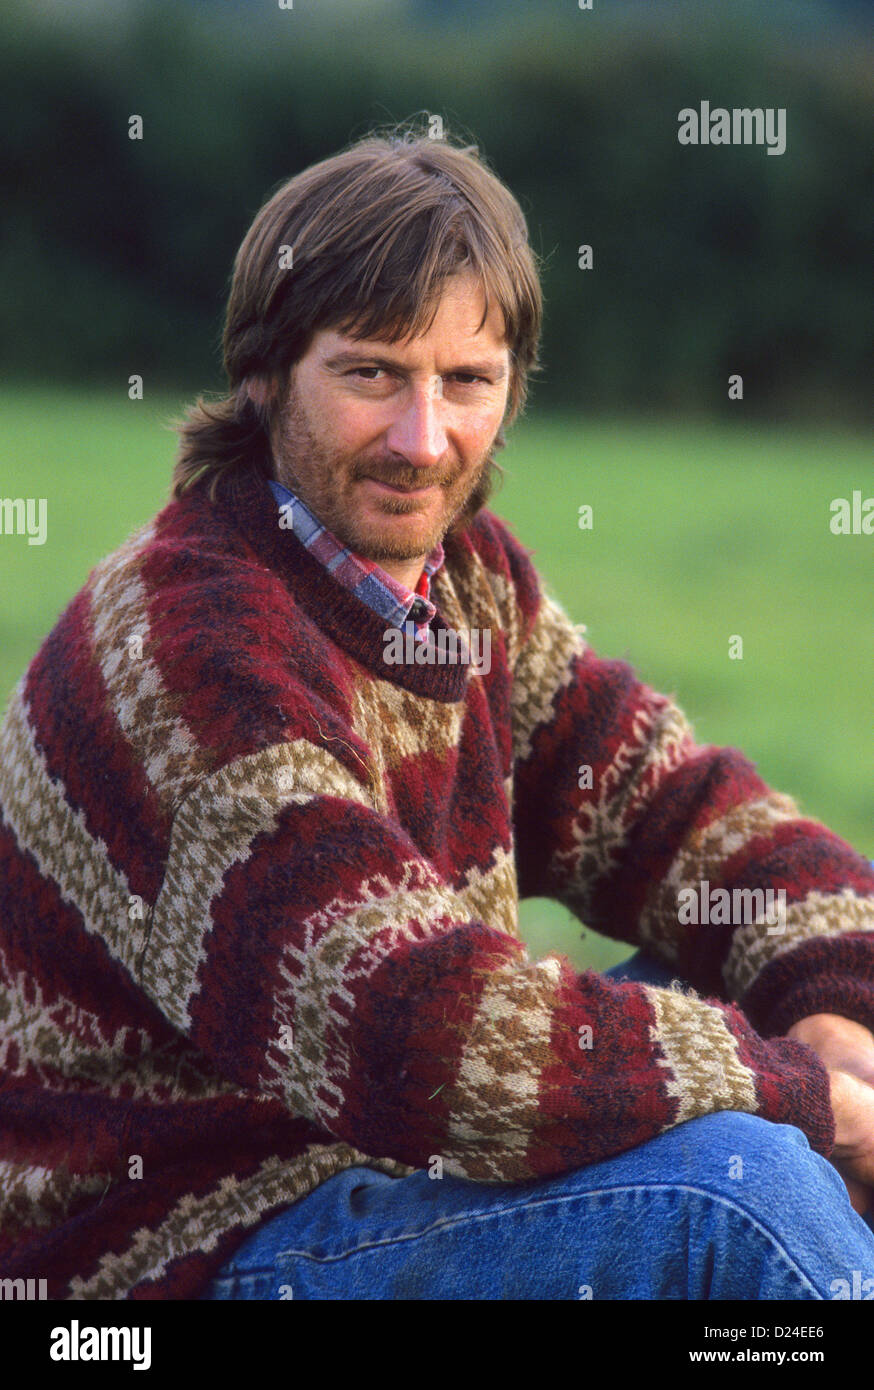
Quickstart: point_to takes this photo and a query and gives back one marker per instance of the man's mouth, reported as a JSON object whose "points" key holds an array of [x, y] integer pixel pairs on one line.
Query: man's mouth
{"points": [[401, 491]]}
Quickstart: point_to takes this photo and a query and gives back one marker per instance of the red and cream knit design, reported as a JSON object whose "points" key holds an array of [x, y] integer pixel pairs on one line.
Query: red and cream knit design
{"points": [[259, 904]]}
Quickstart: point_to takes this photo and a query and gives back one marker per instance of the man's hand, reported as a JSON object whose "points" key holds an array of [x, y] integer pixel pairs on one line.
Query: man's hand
{"points": [[847, 1051]]}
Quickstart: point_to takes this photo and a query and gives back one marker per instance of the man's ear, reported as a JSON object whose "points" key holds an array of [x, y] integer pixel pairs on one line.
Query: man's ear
{"points": [[261, 391]]}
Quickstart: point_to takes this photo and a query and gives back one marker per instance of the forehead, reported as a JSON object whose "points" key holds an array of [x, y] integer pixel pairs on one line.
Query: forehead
{"points": [[457, 324]]}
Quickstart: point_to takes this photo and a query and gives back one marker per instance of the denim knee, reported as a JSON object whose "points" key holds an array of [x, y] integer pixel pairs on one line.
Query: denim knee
{"points": [[761, 1165]]}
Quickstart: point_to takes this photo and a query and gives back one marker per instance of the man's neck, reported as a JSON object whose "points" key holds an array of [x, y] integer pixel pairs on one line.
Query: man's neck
{"points": [[407, 572]]}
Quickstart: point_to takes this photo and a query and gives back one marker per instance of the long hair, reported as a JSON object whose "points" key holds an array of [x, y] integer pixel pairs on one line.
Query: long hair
{"points": [[361, 242]]}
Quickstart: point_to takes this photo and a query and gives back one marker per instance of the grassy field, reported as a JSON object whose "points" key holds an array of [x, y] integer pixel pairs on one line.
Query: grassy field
{"points": [[700, 533]]}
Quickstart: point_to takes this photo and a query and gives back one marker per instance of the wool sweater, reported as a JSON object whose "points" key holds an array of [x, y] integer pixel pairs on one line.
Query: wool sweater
{"points": [[259, 903]]}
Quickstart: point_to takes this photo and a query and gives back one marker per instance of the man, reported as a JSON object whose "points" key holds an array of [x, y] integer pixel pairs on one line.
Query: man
{"points": [[269, 1029]]}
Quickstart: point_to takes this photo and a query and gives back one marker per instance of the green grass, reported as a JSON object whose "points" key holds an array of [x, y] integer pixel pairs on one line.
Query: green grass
{"points": [[700, 532]]}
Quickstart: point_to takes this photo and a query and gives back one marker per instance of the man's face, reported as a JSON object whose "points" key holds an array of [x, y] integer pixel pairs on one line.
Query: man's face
{"points": [[365, 422]]}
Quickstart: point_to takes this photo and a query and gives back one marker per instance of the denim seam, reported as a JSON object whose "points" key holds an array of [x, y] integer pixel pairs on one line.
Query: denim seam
{"points": [[445, 1223]]}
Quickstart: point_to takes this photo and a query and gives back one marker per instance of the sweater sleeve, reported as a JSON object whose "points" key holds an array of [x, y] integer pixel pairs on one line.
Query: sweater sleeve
{"points": [[302, 942], [681, 849]]}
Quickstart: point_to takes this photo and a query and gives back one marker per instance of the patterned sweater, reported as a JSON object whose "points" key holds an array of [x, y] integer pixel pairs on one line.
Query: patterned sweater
{"points": [[259, 890]]}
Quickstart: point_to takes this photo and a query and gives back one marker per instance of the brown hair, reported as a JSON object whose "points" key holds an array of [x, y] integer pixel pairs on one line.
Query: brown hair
{"points": [[373, 233]]}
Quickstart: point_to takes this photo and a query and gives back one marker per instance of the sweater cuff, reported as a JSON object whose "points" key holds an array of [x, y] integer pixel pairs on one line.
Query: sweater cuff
{"points": [[824, 975], [797, 1091]]}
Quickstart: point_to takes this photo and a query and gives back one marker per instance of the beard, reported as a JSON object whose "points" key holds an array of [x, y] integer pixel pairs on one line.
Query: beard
{"points": [[311, 470]]}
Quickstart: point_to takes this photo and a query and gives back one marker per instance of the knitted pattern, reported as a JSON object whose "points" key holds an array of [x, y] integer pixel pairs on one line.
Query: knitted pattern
{"points": [[258, 904]]}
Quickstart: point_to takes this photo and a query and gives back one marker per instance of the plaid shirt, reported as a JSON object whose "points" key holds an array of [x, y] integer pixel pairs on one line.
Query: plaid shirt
{"points": [[393, 601]]}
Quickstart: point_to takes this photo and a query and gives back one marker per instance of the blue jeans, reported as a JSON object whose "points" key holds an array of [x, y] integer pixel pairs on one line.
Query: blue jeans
{"points": [[728, 1206]]}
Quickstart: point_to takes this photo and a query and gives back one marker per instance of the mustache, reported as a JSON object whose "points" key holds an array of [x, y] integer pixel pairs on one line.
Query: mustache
{"points": [[411, 477]]}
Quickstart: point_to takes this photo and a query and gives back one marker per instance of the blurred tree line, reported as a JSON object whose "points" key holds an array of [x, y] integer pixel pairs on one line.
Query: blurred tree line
{"points": [[115, 253]]}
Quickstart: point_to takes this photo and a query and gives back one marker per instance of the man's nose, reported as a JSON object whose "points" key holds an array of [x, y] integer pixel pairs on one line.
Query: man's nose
{"points": [[418, 430]]}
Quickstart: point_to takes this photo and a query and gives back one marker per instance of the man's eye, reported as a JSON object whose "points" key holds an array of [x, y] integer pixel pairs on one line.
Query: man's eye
{"points": [[464, 378]]}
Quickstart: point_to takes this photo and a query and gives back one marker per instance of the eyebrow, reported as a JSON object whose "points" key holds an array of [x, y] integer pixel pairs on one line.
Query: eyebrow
{"points": [[338, 360]]}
